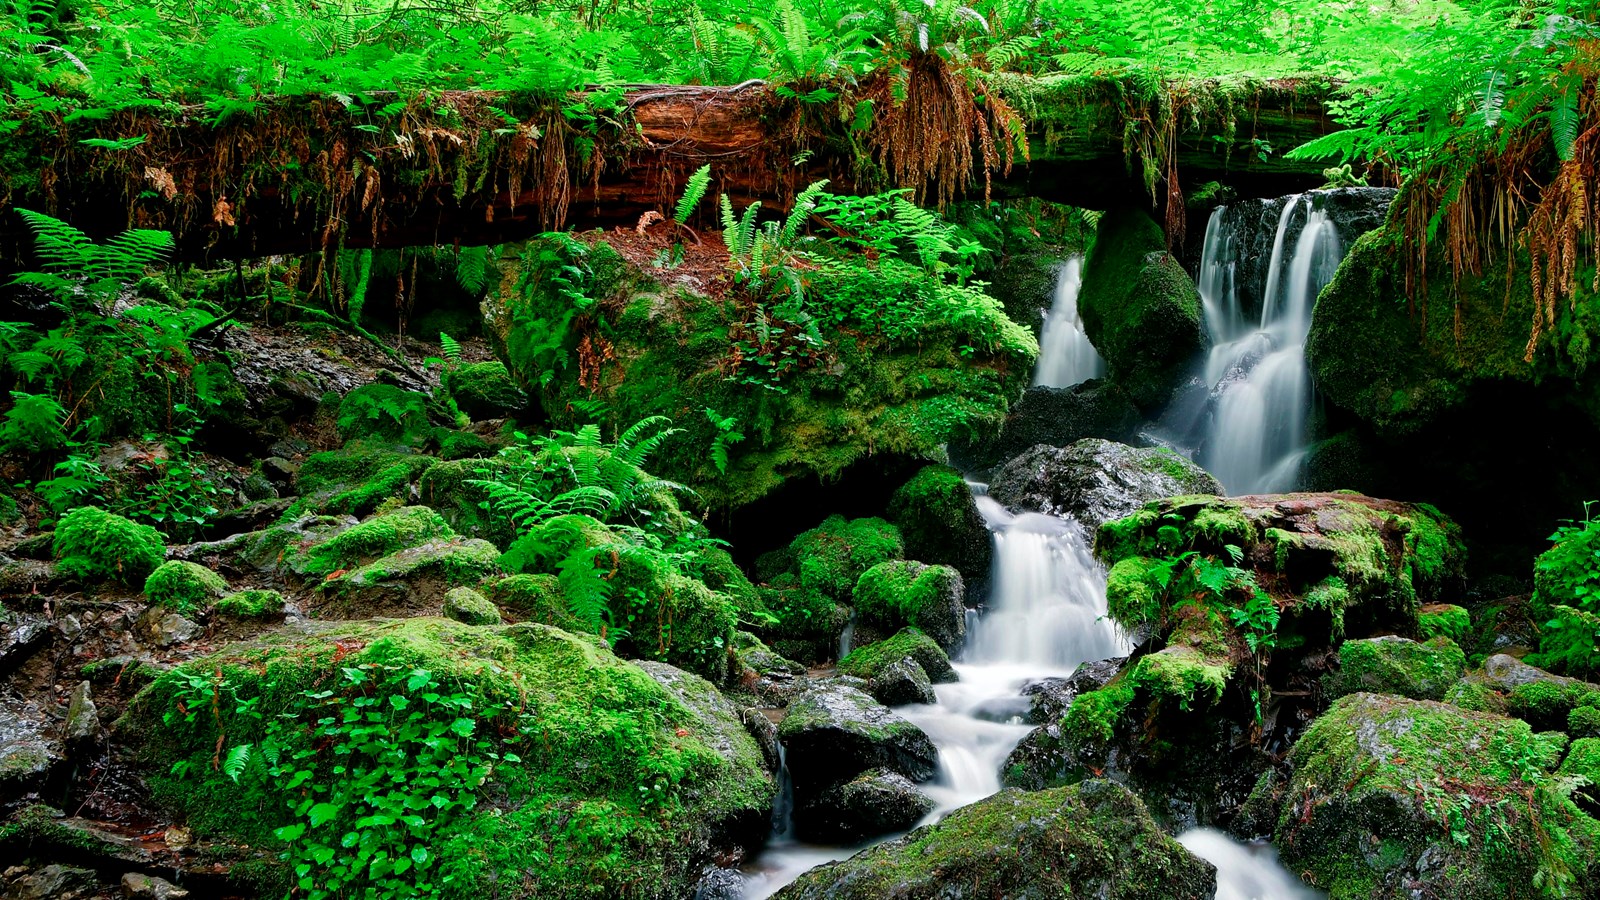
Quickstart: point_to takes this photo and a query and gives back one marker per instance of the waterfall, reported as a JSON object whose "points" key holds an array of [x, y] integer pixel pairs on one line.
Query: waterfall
{"points": [[1065, 355], [1261, 386]]}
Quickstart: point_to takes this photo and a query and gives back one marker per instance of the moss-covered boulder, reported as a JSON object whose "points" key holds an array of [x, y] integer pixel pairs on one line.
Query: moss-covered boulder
{"points": [[894, 594], [1096, 408], [484, 390], [385, 414], [1090, 840], [253, 603], [1389, 793], [357, 478], [832, 733], [409, 580], [939, 522], [371, 540], [901, 683], [470, 607], [533, 598], [908, 643], [92, 543], [186, 588], [447, 487], [621, 785], [1446, 620], [1095, 481], [894, 361], [809, 582], [1140, 308], [875, 802], [1395, 665]]}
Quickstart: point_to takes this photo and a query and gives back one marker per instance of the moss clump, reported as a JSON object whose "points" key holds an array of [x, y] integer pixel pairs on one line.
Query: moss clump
{"points": [[1393, 665], [385, 414], [1387, 793], [184, 587], [416, 574], [463, 445], [1180, 674], [939, 521], [469, 607], [1548, 703], [377, 537], [447, 488], [1094, 839], [533, 598], [832, 557], [1139, 308], [251, 604], [484, 390], [1445, 620], [1584, 722], [92, 543], [624, 788], [901, 592], [1583, 758], [907, 643], [326, 475]]}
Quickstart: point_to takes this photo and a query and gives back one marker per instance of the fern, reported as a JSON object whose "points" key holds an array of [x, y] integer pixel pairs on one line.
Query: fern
{"points": [[804, 204], [103, 268], [472, 269], [692, 194], [234, 763], [450, 347]]}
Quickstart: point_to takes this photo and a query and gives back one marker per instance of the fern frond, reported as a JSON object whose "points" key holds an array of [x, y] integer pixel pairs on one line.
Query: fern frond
{"points": [[804, 204], [693, 191], [59, 246]]}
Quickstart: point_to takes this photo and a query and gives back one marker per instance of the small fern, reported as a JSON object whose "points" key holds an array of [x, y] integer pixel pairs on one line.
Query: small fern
{"points": [[693, 192]]}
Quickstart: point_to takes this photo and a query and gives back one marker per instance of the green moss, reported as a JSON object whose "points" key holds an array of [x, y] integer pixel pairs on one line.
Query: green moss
{"points": [[1139, 307], [1134, 591], [1393, 665], [533, 598], [1583, 758], [1473, 693], [469, 607], [1584, 722], [447, 488], [939, 521], [901, 592], [484, 390], [1181, 673], [722, 574], [1387, 790], [1548, 702], [1445, 620], [832, 557], [1094, 716], [377, 537], [385, 414], [358, 477], [462, 445], [452, 562], [907, 643], [92, 543], [251, 604], [573, 819], [184, 587]]}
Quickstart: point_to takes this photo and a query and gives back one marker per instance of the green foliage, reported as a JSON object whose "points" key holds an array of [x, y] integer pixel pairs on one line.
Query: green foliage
{"points": [[386, 413], [694, 190], [92, 543], [251, 604], [184, 587], [1567, 595]]}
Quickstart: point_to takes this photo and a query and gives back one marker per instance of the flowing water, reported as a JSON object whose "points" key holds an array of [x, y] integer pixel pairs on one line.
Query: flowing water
{"points": [[1046, 615], [1261, 386], [1065, 355]]}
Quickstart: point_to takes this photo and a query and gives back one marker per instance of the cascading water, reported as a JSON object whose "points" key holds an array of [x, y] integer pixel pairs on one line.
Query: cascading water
{"points": [[1261, 386], [1065, 355]]}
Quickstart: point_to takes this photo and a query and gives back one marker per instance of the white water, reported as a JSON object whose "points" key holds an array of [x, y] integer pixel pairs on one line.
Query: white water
{"points": [[1245, 871], [1065, 355], [1261, 386]]}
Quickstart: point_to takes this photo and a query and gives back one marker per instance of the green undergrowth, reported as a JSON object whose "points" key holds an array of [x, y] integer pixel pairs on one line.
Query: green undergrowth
{"points": [[1566, 600], [452, 759]]}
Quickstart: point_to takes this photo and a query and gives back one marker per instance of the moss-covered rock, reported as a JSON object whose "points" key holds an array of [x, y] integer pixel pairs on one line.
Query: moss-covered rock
{"points": [[832, 733], [533, 598], [939, 522], [484, 390], [251, 604], [1090, 840], [904, 363], [410, 580], [1395, 665], [469, 607], [907, 643], [373, 539], [1445, 620], [875, 802], [92, 543], [1140, 308], [900, 592], [810, 580], [358, 478], [385, 414], [185, 588], [1389, 793], [578, 817], [448, 488]]}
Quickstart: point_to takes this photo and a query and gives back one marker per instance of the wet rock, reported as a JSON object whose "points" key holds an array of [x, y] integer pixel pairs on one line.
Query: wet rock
{"points": [[773, 679], [149, 887], [82, 728], [20, 577], [1095, 839], [28, 756], [1382, 797], [867, 660], [833, 733], [52, 882], [940, 524], [251, 517], [279, 471], [765, 732], [20, 638], [1096, 481], [1056, 416], [40, 546], [902, 682], [894, 594], [720, 884], [875, 802], [161, 627], [1050, 697]]}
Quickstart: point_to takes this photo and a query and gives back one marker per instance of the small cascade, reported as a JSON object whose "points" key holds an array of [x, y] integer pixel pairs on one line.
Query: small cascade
{"points": [[1065, 355], [1245, 871], [1261, 386]]}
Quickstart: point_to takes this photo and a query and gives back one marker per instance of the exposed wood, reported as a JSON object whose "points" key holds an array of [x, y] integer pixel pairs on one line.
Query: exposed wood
{"points": [[475, 168]]}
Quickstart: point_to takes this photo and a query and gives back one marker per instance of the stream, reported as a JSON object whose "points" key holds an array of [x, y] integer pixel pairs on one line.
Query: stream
{"points": [[1046, 611]]}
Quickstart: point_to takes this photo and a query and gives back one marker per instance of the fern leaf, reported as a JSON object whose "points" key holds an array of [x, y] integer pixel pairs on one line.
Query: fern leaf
{"points": [[1564, 122], [692, 193], [804, 204], [237, 758]]}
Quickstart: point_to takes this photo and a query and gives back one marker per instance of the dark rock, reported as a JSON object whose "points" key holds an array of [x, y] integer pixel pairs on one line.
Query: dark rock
{"points": [[279, 470], [720, 884], [161, 627], [875, 802], [1056, 416], [1050, 697], [289, 449], [1096, 481], [22, 637], [1094, 839], [40, 546], [52, 882], [833, 733], [251, 517], [940, 524], [900, 683], [142, 886], [21, 577], [27, 756]]}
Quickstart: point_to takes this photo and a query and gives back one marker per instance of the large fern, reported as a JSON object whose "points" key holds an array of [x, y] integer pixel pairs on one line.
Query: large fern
{"points": [[73, 258]]}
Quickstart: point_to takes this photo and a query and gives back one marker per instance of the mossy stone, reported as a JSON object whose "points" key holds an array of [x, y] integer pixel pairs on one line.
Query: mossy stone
{"points": [[184, 587], [907, 643], [93, 543], [533, 598], [484, 390], [897, 593], [1395, 665], [1445, 620], [373, 539], [251, 604], [939, 521], [469, 607]]}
